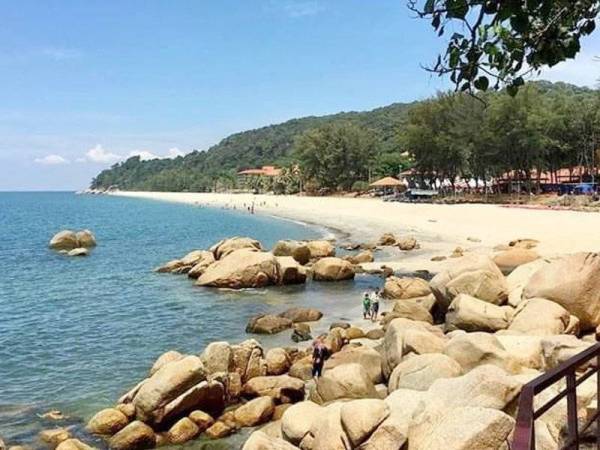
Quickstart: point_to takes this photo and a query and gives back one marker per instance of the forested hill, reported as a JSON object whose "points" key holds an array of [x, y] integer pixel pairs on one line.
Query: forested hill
{"points": [[270, 145]]}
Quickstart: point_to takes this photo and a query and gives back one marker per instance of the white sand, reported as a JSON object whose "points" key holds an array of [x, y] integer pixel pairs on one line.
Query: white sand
{"points": [[439, 228]]}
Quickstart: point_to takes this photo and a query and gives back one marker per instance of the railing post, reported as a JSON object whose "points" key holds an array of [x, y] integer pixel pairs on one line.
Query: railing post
{"points": [[573, 431]]}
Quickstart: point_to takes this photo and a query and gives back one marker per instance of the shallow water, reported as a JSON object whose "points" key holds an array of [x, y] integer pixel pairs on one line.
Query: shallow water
{"points": [[75, 333]]}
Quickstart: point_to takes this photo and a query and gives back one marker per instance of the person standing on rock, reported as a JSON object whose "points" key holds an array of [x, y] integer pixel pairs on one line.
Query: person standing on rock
{"points": [[366, 305], [319, 356], [375, 305]]}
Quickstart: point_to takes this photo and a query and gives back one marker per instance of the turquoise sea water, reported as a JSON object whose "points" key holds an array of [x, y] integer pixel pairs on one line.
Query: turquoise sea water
{"points": [[75, 333]]}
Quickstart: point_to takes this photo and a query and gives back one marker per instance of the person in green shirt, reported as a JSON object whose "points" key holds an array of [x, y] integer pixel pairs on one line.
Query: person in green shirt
{"points": [[366, 305]]}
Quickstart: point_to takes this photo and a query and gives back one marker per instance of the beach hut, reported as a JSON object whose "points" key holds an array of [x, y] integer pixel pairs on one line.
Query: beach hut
{"points": [[387, 182]]}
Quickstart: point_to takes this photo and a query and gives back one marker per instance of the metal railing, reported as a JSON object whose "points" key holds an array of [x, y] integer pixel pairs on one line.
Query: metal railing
{"points": [[524, 434]]}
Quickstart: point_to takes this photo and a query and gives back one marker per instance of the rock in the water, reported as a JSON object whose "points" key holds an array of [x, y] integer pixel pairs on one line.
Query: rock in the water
{"points": [[405, 287], [200, 265], [321, 249], [201, 419], [85, 239], [135, 436], [574, 283], [296, 249], [369, 358], [164, 359], [79, 251], [344, 381], [282, 388], [64, 240], [407, 243], [52, 437], [299, 314], [509, 260], [278, 361], [183, 430], [290, 271], [255, 412], [387, 239], [230, 245], [471, 314], [541, 317], [475, 349], [268, 324], [245, 268], [419, 372], [366, 256], [69, 444], [361, 417], [108, 421], [301, 332], [332, 269], [219, 430]]}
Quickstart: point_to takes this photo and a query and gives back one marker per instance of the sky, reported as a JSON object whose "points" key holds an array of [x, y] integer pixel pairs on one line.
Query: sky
{"points": [[85, 84]]}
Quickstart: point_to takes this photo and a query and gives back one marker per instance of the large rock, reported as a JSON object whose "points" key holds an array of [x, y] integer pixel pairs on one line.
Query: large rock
{"points": [[296, 249], [290, 271], [406, 243], [262, 441], [206, 395], [69, 444], [332, 269], [540, 317], [135, 436], [52, 437], [361, 417], [471, 314], [464, 428], [182, 431], [268, 324], [405, 287], [278, 361], [526, 350], [327, 433], [574, 283], [79, 251], [509, 260], [344, 381], [108, 421], [419, 372], [475, 275], [302, 369], [420, 341], [164, 359], [230, 245], [217, 357], [366, 256], [299, 314], [201, 263], [167, 384], [475, 349], [64, 240], [321, 249], [297, 420], [282, 388], [201, 419], [248, 360], [387, 239], [518, 279], [255, 412], [558, 349], [245, 268], [369, 358], [408, 309]]}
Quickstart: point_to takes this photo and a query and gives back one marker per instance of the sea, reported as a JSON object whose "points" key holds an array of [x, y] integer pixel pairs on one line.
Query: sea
{"points": [[76, 333]]}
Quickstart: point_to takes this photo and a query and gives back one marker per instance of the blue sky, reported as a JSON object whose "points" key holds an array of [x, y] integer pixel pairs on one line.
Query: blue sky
{"points": [[86, 83]]}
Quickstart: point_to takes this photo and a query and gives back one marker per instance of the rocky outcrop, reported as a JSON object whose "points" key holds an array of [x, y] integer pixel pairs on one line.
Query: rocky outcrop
{"points": [[182, 431], [344, 381], [135, 436], [297, 420], [200, 264], [282, 388], [540, 317], [403, 288], [278, 361], [108, 421], [369, 358], [471, 314], [366, 256], [320, 249], [509, 260], [475, 349], [52, 437], [407, 243], [300, 251], [518, 279], [419, 372], [268, 324], [223, 248], [387, 239], [332, 269], [245, 268], [299, 314], [262, 441], [80, 251], [69, 240], [360, 418], [255, 412], [290, 271], [574, 283]]}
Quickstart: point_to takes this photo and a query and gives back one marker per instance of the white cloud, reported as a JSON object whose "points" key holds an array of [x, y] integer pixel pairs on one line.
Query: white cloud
{"points": [[174, 153], [97, 154], [144, 155], [60, 53], [51, 160]]}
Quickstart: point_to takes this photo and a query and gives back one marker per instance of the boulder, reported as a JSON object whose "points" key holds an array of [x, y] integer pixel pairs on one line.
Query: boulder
{"points": [[471, 314], [302, 369], [64, 240], [387, 239], [405, 287], [464, 428], [108, 421], [558, 349], [369, 358], [200, 265], [420, 341], [375, 333], [268, 324], [518, 279], [301, 332], [207, 395], [574, 283], [327, 432], [475, 275], [407, 243], [255, 412], [52, 437], [525, 350], [509, 260], [278, 361], [245, 268], [290, 271], [320, 249], [261, 441], [79, 251], [475, 349], [135, 436], [202, 420], [126, 408], [297, 420], [524, 243], [164, 359], [353, 333], [219, 430], [332, 269], [69, 444], [409, 310], [361, 417], [300, 314], [182, 431], [366, 256], [85, 239], [419, 372], [297, 250], [167, 384], [247, 359], [334, 341], [344, 381], [217, 357], [283, 388], [230, 245], [172, 266], [540, 317]]}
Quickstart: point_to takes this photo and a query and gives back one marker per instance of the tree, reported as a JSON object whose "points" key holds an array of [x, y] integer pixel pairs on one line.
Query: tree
{"points": [[499, 40], [336, 155]]}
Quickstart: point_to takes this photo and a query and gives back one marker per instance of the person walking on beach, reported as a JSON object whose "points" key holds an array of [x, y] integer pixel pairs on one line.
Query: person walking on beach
{"points": [[375, 305], [366, 305], [319, 356]]}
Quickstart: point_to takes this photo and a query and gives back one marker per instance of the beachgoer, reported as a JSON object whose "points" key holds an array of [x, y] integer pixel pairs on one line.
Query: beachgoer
{"points": [[375, 305], [319, 356], [366, 305]]}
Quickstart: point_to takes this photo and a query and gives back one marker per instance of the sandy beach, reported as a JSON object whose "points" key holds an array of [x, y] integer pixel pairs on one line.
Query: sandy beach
{"points": [[440, 228]]}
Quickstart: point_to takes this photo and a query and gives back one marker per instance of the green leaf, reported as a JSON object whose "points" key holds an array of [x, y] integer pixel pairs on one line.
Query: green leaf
{"points": [[482, 83], [429, 4], [512, 90]]}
